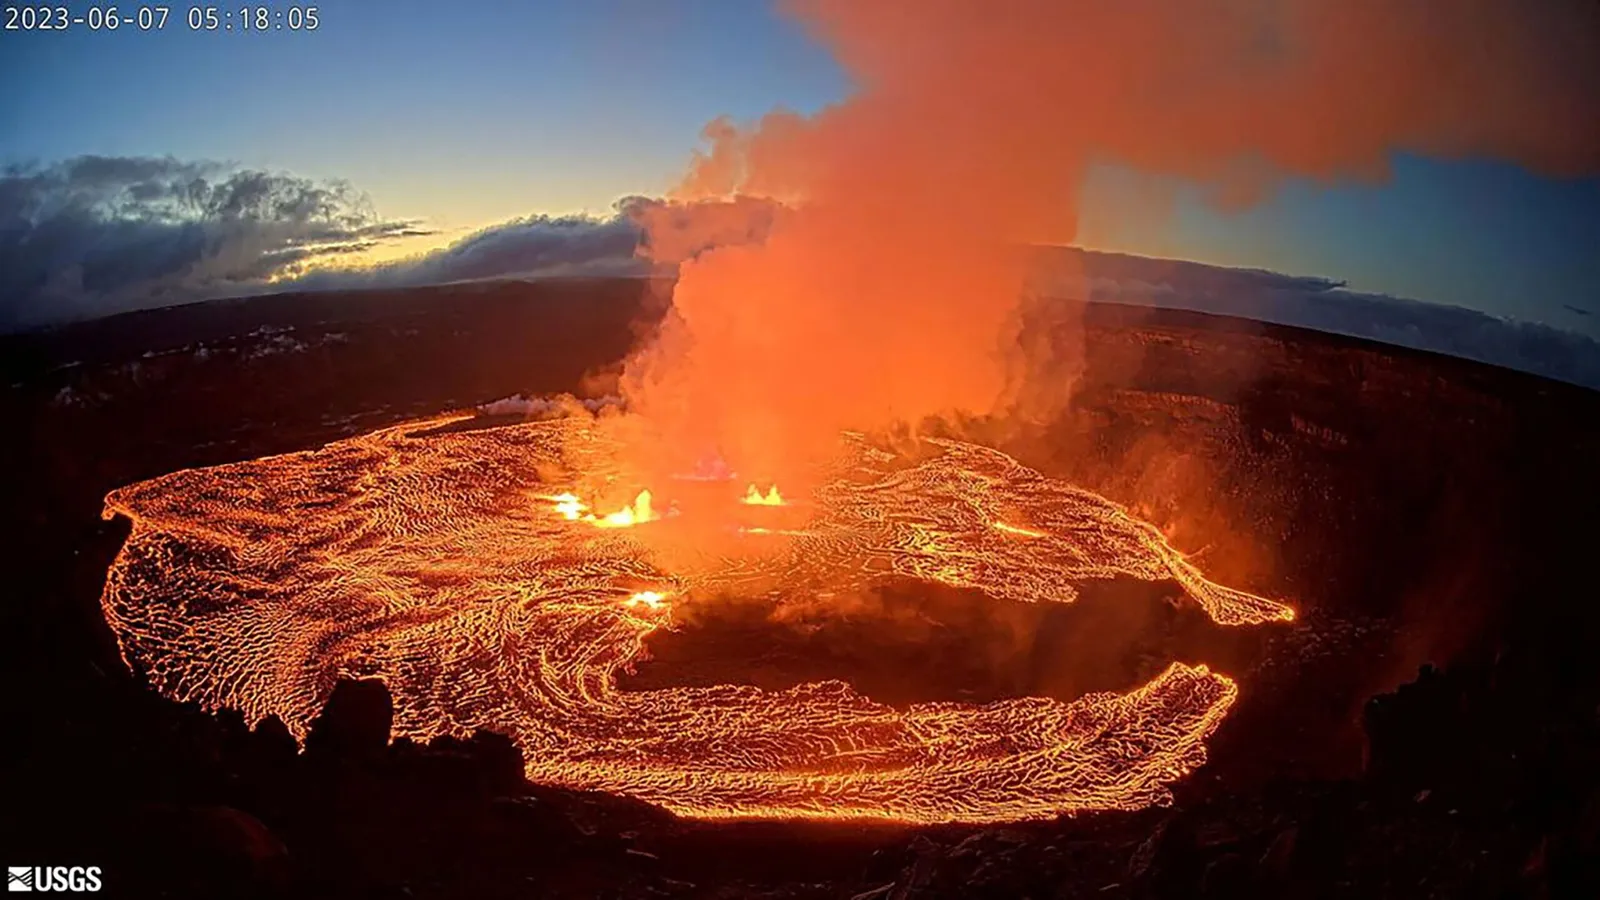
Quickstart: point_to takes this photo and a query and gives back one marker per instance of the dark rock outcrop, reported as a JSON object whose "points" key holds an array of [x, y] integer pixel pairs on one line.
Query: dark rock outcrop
{"points": [[354, 725]]}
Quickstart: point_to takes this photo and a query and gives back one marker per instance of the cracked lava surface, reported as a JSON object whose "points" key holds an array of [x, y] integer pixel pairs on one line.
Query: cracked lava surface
{"points": [[439, 562]]}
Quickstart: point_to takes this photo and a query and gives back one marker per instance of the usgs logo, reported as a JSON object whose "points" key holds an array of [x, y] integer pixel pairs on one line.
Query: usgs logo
{"points": [[52, 878]]}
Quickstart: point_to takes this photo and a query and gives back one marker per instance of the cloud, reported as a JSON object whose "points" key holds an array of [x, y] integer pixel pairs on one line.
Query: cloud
{"points": [[528, 247], [643, 235], [96, 235]]}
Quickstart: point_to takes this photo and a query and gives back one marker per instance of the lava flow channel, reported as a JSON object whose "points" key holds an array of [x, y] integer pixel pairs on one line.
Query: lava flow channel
{"points": [[429, 560]]}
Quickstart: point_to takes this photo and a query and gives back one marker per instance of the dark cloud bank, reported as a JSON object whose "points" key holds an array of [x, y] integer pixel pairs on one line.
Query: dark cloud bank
{"points": [[96, 235]]}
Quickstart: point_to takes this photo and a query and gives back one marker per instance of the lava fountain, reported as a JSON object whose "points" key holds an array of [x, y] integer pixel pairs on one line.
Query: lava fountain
{"points": [[455, 566]]}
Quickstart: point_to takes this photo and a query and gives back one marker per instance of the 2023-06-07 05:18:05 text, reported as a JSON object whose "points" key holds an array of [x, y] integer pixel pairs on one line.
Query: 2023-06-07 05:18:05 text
{"points": [[139, 18]]}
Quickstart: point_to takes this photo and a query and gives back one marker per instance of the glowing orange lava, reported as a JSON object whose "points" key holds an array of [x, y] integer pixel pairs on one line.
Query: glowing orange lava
{"points": [[573, 509], [1014, 529], [487, 598], [754, 497], [635, 514], [651, 600]]}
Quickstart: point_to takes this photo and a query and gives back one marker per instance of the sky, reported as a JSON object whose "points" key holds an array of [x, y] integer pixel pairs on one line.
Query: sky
{"points": [[462, 116]]}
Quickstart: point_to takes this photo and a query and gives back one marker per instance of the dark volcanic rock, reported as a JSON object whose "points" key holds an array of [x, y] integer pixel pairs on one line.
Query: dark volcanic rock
{"points": [[354, 725], [1418, 510]]}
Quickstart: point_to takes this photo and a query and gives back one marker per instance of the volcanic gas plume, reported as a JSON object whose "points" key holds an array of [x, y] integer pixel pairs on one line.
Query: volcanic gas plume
{"points": [[887, 287], [461, 569]]}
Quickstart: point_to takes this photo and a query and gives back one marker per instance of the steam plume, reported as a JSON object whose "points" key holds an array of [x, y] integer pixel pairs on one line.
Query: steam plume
{"points": [[888, 288]]}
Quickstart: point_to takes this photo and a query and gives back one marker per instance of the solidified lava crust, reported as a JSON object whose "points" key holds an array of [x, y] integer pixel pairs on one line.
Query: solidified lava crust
{"points": [[437, 562]]}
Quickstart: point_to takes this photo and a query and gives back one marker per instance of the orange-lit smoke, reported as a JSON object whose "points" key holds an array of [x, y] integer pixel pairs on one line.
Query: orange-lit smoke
{"points": [[886, 289]]}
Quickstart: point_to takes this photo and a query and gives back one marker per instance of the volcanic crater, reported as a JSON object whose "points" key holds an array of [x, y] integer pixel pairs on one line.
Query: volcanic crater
{"points": [[447, 564], [1291, 465]]}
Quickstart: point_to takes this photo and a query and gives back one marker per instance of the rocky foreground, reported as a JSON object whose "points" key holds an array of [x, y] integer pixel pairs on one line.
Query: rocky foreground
{"points": [[170, 801]]}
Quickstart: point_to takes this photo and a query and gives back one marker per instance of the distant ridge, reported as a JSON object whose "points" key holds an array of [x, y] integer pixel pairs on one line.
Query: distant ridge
{"points": [[1319, 304]]}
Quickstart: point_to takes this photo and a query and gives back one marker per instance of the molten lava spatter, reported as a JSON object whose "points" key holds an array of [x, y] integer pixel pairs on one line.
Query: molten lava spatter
{"points": [[754, 497], [638, 513], [573, 509], [649, 600], [485, 598]]}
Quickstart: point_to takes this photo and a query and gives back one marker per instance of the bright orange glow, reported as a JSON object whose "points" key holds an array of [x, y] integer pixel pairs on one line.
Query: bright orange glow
{"points": [[754, 497], [652, 600], [628, 516], [255, 585], [569, 506], [573, 509], [886, 287], [1012, 529]]}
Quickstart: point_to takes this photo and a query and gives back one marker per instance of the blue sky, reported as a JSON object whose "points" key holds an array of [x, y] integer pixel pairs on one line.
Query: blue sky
{"points": [[469, 114]]}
